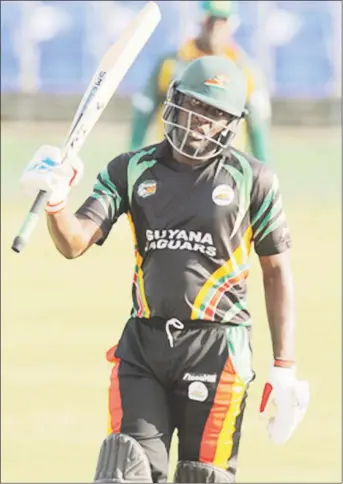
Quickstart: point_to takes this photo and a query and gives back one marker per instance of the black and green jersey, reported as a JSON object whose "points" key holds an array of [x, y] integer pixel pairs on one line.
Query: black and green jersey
{"points": [[193, 229]]}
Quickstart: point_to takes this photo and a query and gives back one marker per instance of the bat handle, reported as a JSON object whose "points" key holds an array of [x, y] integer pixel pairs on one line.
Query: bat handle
{"points": [[30, 222]]}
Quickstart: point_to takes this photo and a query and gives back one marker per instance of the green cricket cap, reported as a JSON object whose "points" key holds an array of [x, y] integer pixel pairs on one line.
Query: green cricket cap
{"points": [[217, 81], [219, 8]]}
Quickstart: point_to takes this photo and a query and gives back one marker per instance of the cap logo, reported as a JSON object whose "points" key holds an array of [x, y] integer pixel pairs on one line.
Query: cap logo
{"points": [[218, 81]]}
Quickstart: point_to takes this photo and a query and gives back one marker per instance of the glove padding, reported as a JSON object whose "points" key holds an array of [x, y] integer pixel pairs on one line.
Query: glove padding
{"points": [[47, 172], [291, 398]]}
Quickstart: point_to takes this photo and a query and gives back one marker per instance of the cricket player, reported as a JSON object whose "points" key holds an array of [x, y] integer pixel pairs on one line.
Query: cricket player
{"points": [[196, 207], [213, 39]]}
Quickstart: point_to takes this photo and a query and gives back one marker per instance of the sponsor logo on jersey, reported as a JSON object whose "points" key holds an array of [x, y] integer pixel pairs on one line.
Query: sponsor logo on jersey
{"points": [[194, 241], [223, 195], [204, 377], [218, 81], [147, 188], [197, 391]]}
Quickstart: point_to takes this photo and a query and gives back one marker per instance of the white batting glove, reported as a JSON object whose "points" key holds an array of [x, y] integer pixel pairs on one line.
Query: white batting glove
{"points": [[46, 172], [291, 398]]}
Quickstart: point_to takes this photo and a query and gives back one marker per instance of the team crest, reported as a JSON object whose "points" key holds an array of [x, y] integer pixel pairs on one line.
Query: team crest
{"points": [[147, 188], [218, 81], [223, 195]]}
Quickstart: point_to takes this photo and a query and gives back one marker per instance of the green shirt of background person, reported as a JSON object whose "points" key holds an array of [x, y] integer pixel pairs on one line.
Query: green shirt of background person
{"points": [[214, 38]]}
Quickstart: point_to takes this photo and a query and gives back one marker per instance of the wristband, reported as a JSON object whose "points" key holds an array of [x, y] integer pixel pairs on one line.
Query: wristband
{"points": [[281, 363], [56, 207]]}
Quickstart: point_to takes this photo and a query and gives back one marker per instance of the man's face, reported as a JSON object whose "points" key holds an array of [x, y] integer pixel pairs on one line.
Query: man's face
{"points": [[205, 121], [217, 32]]}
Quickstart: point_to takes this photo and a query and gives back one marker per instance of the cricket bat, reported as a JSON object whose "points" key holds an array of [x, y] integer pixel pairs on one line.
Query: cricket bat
{"points": [[110, 72]]}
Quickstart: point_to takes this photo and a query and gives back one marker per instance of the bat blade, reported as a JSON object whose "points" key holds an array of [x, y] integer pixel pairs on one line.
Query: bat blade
{"points": [[112, 69]]}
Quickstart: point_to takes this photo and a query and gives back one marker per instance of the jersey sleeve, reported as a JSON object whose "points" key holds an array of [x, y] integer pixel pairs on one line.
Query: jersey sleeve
{"points": [[109, 198], [270, 230]]}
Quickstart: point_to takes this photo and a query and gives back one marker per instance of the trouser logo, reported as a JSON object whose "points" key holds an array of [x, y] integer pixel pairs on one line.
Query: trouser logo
{"points": [[210, 378], [197, 391]]}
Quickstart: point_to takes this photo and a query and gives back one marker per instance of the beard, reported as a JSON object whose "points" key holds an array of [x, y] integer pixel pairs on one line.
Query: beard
{"points": [[194, 144]]}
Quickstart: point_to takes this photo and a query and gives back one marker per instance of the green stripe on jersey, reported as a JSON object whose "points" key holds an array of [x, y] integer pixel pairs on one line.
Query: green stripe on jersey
{"points": [[268, 200], [244, 182], [107, 203], [234, 310], [238, 342], [106, 177], [108, 196], [276, 210], [275, 225], [136, 169]]}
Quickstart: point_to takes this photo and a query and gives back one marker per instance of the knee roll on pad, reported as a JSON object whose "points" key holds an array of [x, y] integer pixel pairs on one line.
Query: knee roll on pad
{"points": [[122, 459], [195, 472]]}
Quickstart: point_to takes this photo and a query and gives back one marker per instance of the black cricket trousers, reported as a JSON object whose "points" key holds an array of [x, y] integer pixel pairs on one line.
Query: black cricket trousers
{"points": [[191, 376]]}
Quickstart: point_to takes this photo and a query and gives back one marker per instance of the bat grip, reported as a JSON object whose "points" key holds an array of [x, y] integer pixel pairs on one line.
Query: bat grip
{"points": [[30, 221]]}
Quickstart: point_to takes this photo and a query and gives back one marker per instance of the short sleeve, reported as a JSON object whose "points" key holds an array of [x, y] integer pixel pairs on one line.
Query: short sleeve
{"points": [[109, 199], [270, 230]]}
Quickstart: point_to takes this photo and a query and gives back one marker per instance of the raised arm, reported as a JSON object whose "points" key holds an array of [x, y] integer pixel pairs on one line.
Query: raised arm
{"points": [[72, 233]]}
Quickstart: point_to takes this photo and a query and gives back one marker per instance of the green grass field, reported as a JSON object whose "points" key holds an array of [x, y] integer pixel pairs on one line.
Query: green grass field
{"points": [[59, 317]]}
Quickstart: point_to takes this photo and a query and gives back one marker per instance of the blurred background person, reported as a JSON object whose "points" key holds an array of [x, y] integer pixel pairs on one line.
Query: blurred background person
{"points": [[215, 37]]}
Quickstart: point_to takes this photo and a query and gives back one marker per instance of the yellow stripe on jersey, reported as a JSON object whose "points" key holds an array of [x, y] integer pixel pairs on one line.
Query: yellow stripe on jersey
{"points": [[138, 282], [239, 258]]}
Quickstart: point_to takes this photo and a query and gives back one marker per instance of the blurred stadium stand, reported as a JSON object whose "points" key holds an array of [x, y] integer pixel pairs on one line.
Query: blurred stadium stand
{"points": [[50, 49]]}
